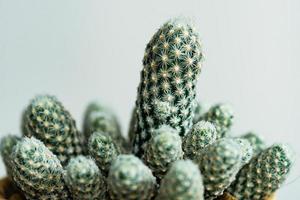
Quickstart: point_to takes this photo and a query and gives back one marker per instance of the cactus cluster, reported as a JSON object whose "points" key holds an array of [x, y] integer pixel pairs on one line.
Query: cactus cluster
{"points": [[176, 149]]}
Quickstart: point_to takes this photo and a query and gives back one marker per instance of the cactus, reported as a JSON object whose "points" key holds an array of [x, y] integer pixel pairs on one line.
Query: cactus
{"points": [[219, 163], [130, 179], [103, 150], [6, 146], [47, 120], [202, 134], [84, 179], [162, 150], [263, 175], [246, 149], [37, 171], [101, 119], [200, 109], [256, 142], [132, 126], [171, 66], [182, 182], [221, 115]]}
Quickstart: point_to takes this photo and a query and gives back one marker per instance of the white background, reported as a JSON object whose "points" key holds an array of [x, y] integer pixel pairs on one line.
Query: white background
{"points": [[85, 50]]}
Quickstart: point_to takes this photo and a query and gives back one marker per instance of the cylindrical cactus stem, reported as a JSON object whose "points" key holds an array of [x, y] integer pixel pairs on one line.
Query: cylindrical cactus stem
{"points": [[219, 163], [263, 175], [98, 118], [132, 126], [84, 179], [256, 141], [37, 171], [171, 66], [164, 148], [47, 120], [103, 150], [130, 179], [183, 181], [201, 135], [6, 146], [221, 115]]}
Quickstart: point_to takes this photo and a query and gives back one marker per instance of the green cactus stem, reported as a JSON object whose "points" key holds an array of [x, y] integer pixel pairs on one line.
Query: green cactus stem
{"points": [[200, 109], [202, 134], [256, 141], [171, 66], [47, 120], [101, 119], [103, 150], [182, 182], [37, 171], [84, 179], [221, 115], [219, 163], [162, 150], [6, 146], [130, 179], [263, 175]]}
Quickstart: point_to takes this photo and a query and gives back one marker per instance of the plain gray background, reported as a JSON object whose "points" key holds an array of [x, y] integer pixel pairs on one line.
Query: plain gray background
{"points": [[85, 50]]}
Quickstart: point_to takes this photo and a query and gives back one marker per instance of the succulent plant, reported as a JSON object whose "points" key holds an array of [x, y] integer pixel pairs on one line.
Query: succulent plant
{"points": [[162, 150], [202, 134], [47, 120], [219, 163], [132, 126], [37, 171], [256, 142], [263, 174], [101, 119], [6, 146], [200, 109], [84, 179], [171, 66], [103, 150], [130, 179], [182, 182], [221, 115]]}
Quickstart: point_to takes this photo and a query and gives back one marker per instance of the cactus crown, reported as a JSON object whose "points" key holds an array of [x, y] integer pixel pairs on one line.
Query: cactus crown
{"points": [[103, 150], [171, 67], [37, 171], [84, 179], [221, 115], [47, 120], [183, 181], [130, 179], [263, 174], [202, 134], [162, 150]]}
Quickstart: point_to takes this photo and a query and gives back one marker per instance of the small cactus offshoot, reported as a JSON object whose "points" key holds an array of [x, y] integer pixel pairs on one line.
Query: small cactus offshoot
{"points": [[103, 149], [101, 119], [202, 134], [182, 182], [6, 147], [221, 115], [162, 150], [263, 175], [84, 179], [200, 109], [130, 179], [47, 120], [256, 142], [37, 171], [219, 164]]}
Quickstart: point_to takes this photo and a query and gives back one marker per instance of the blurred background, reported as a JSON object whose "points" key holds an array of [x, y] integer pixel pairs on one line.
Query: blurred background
{"points": [[86, 50]]}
